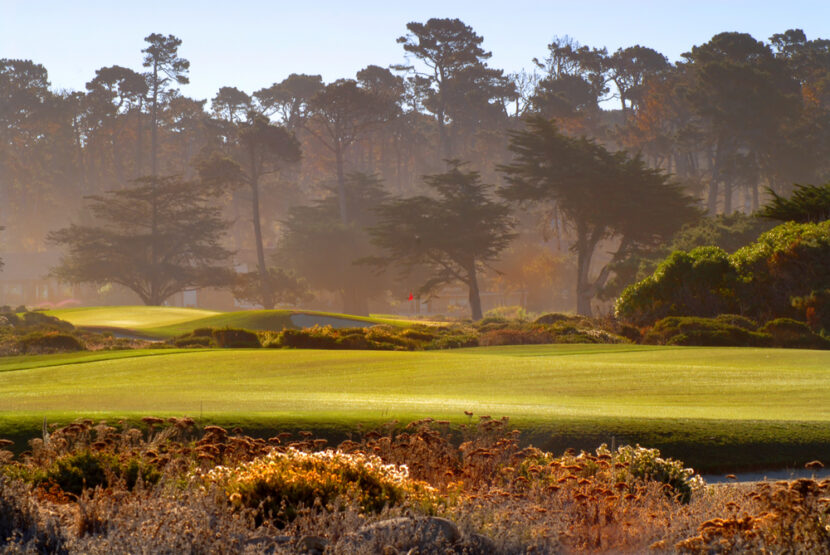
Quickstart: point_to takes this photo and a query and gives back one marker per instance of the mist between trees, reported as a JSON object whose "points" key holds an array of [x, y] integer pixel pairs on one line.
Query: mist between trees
{"points": [[438, 178]]}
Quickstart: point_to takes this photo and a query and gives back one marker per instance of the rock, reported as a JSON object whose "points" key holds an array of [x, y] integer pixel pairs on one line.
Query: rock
{"points": [[315, 545], [404, 534]]}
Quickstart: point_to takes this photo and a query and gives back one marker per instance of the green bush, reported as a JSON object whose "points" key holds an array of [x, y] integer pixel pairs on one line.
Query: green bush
{"points": [[43, 321], [513, 336], [738, 320], [789, 333], [697, 283], [758, 281], [790, 260], [418, 334], [236, 338], [554, 317], [197, 341], [702, 332], [202, 332], [49, 342], [816, 310], [87, 470]]}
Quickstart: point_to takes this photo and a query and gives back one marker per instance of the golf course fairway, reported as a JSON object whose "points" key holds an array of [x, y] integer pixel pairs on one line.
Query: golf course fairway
{"points": [[716, 406]]}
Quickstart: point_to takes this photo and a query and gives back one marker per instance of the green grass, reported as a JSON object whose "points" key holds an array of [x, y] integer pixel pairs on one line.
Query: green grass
{"points": [[711, 406], [165, 322]]}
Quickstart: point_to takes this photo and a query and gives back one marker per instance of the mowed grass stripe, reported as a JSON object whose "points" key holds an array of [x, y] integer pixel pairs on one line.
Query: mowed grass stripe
{"points": [[537, 383]]}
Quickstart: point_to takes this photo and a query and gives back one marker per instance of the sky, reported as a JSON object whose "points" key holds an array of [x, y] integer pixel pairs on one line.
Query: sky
{"points": [[251, 44]]}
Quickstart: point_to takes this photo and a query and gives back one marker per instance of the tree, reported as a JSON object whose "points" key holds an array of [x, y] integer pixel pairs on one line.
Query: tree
{"points": [[156, 238], [262, 149], [602, 195], [630, 68], [449, 48], [343, 113], [321, 248], [1, 260], [573, 82], [289, 99], [808, 203], [742, 96], [161, 56], [231, 104], [454, 234]]}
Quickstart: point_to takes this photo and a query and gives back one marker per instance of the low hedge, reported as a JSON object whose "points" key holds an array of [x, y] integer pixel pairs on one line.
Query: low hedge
{"points": [[236, 338]]}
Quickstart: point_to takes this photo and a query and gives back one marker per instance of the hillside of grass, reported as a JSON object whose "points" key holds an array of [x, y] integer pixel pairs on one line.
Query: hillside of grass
{"points": [[713, 406], [165, 322]]}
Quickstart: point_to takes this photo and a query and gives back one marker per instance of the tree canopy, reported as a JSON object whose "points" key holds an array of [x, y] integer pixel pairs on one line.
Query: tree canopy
{"points": [[156, 238], [599, 193], [454, 234], [808, 203]]}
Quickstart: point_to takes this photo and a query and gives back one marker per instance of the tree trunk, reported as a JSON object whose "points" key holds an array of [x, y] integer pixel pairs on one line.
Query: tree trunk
{"points": [[264, 277], [354, 302], [341, 183], [584, 253], [474, 296], [154, 130]]}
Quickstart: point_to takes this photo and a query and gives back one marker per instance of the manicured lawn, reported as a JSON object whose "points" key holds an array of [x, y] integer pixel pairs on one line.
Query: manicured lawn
{"points": [[164, 322], [763, 406]]}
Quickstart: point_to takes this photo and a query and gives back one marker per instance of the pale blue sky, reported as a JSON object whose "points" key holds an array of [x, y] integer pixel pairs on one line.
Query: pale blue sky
{"points": [[251, 44]]}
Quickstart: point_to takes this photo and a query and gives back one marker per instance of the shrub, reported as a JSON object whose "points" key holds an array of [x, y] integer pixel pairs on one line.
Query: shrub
{"points": [[790, 333], [455, 340], [697, 283], [279, 484], [190, 341], [49, 342], [309, 338], [702, 332], [75, 472], [202, 332], [418, 334], [43, 321], [737, 320], [513, 336], [759, 280], [554, 317], [236, 338], [647, 464], [816, 309], [788, 261]]}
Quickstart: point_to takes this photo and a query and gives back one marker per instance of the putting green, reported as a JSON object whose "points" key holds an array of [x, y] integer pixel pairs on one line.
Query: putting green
{"points": [[665, 395], [164, 322]]}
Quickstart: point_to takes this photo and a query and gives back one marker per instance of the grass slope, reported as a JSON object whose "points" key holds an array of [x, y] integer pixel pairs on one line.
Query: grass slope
{"points": [[711, 406], [164, 322]]}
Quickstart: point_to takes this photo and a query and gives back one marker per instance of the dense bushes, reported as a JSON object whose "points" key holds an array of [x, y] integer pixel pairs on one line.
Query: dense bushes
{"points": [[280, 483], [38, 342], [729, 330], [235, 338], [760, 281], [704, 332]]}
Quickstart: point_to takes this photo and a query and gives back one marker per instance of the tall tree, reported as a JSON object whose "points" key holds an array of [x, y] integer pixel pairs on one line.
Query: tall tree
{"points": [[808, 203], [323, 249], [289, 99], [157, 238], [455, 233], [602, 195], [630, 68], [448, 48], [166, 67], [742, 96], [343, 113], [263, 149]]}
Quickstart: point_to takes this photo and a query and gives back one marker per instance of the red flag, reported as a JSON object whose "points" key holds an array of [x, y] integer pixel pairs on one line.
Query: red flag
{"points": [[411, 297]]}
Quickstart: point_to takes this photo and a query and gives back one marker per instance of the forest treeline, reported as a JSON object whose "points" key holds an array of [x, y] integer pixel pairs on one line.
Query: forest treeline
{"points": [[308, 162]]}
